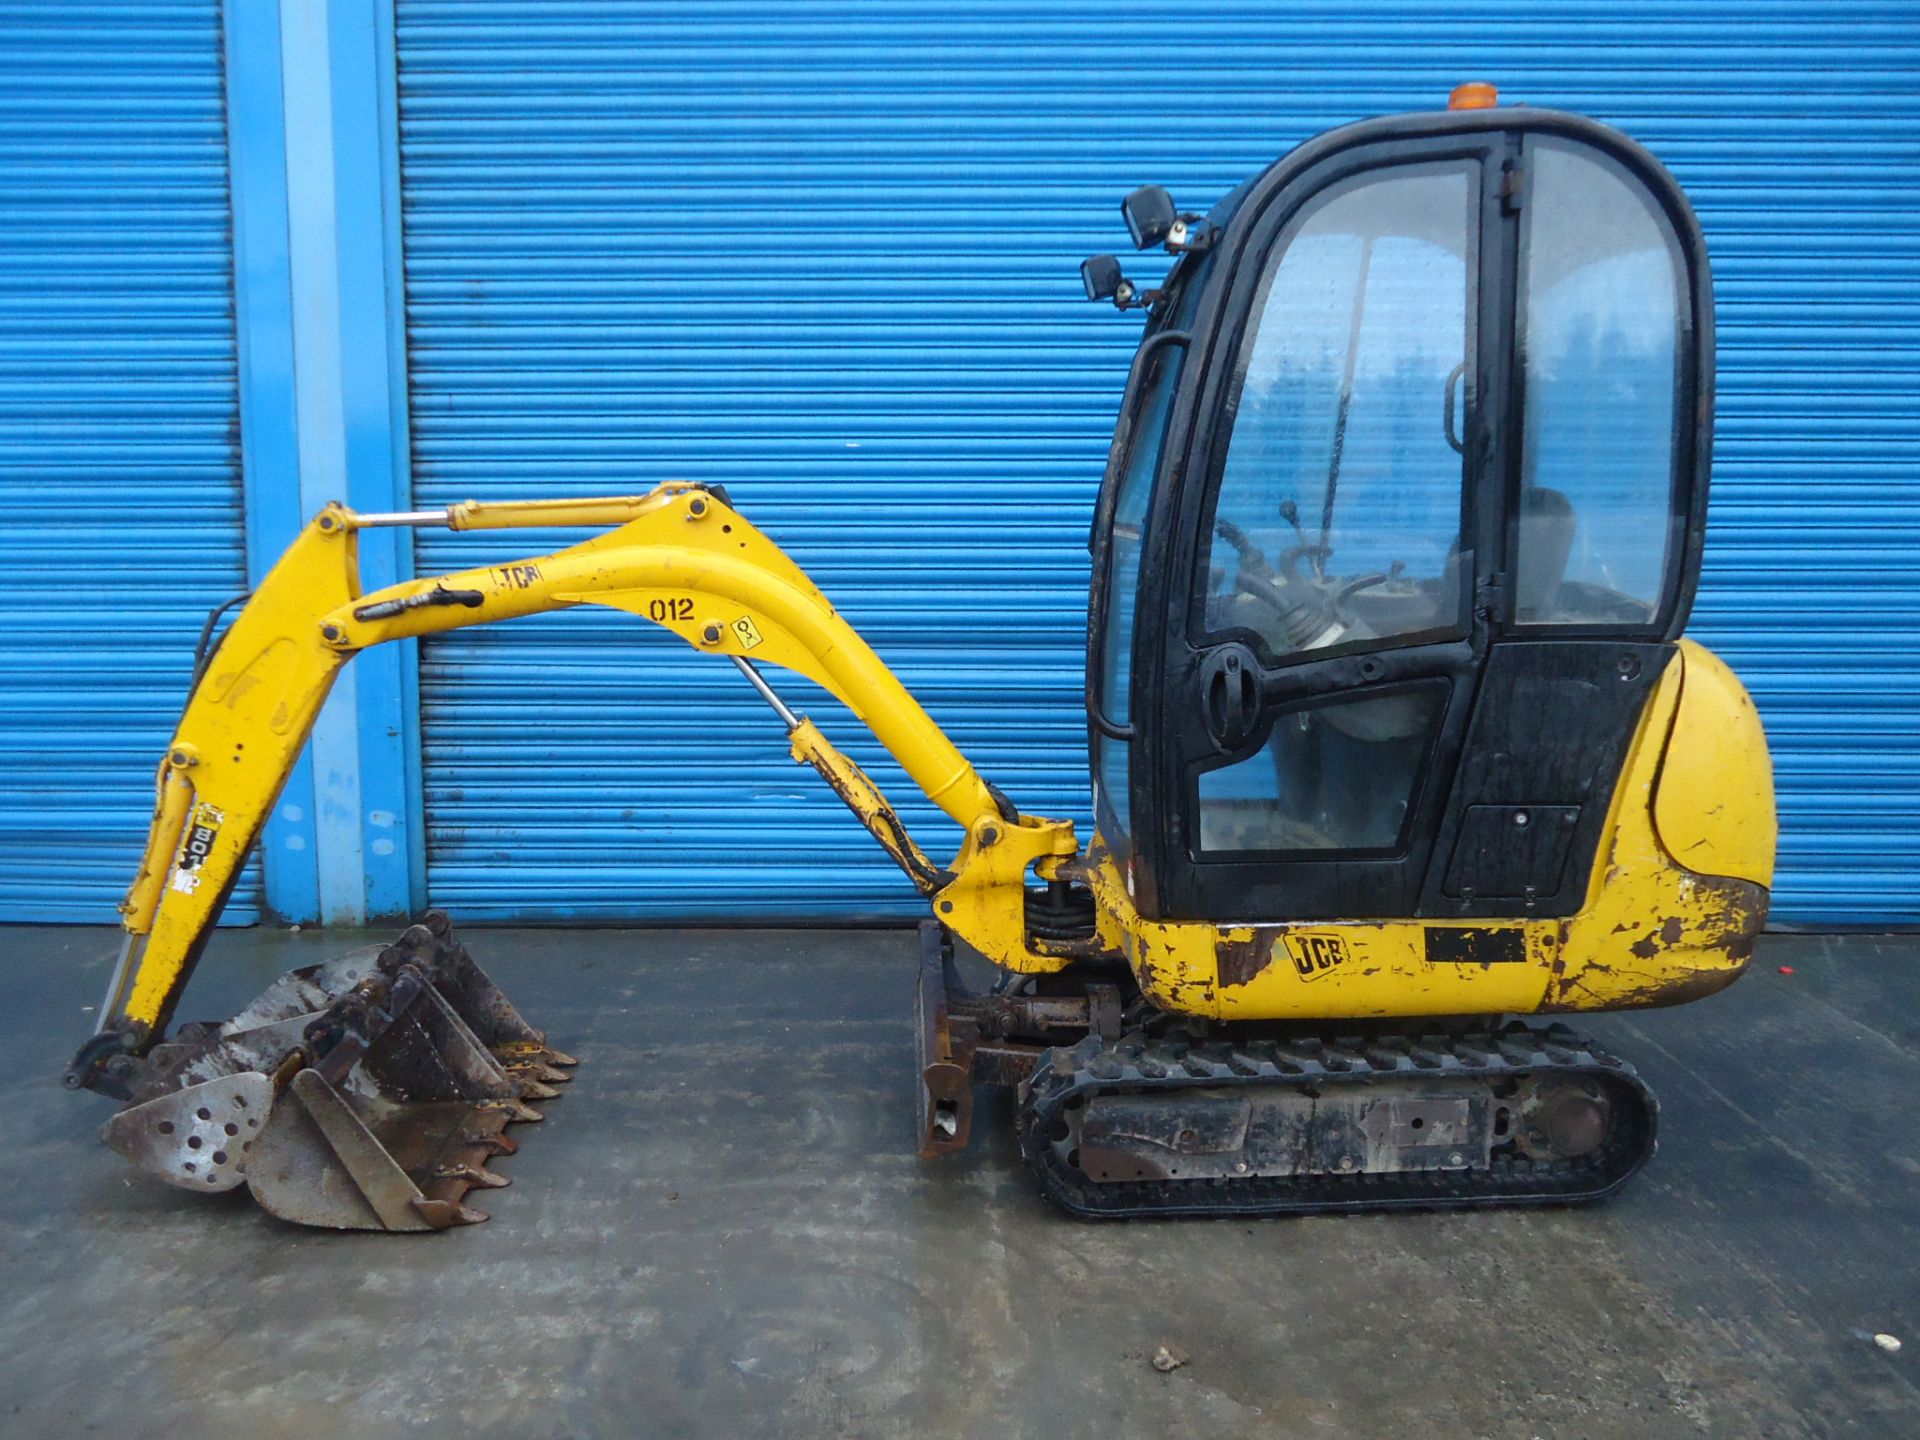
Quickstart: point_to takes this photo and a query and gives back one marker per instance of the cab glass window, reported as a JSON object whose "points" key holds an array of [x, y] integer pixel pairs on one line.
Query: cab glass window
{"points": [[1131, 498], [1140, 443], [1601, 337], [1339, 774], [1339, 508]]}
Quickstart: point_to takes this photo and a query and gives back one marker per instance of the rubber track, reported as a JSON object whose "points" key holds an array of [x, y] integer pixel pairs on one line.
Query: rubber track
{"points": [[1515, 1052]]}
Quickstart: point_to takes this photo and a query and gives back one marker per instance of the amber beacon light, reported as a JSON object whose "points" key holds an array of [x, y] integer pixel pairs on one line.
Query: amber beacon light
{"points": [[1474, 95]]}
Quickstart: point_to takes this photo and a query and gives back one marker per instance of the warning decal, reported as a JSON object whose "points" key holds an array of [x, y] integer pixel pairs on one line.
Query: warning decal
{"points": [[203, 828]]}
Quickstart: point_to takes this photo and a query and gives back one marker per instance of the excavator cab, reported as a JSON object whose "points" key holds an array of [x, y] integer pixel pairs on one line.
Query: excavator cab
{"points": [[1401, 523]]}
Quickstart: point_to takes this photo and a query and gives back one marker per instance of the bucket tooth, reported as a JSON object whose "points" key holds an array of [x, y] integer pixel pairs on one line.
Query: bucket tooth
{"points": [[540, 1057], [445, 1214], [477, 1176], [537, 1071], [492, 1144], [517, 1112]]}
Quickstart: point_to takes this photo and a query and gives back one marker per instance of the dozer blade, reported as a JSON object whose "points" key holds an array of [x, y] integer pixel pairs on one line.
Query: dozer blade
{"points": [[365, 1093]]}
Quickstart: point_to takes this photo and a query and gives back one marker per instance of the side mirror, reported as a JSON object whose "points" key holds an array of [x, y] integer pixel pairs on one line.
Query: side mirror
{"points": [[1150, 216], [1101, 275]]}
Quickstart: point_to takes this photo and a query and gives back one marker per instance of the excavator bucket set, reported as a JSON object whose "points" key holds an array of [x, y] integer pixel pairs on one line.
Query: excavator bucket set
{"points": [[369, 1092]]}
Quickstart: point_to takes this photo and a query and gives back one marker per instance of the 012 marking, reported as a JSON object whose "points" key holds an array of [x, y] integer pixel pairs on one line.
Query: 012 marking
{"points": [[672, 607]]}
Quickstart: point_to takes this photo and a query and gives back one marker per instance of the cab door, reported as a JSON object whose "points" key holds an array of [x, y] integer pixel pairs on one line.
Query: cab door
{"points": [[1379, 662]]}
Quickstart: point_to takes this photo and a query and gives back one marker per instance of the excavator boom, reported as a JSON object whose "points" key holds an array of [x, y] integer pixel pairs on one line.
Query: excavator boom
{"points": [[681, 557], [371, 1092]]}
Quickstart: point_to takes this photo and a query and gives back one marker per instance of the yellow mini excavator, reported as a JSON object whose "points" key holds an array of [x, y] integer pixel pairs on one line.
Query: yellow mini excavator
{"points": [[1393, 734]]}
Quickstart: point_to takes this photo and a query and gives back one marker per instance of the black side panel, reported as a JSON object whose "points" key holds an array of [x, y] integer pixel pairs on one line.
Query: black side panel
{"points": [[1495, 945], [1512, 850], [1550, 731]]}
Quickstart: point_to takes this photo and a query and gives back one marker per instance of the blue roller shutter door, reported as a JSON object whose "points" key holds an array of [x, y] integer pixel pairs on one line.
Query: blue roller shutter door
{"points": [[826, 256]]}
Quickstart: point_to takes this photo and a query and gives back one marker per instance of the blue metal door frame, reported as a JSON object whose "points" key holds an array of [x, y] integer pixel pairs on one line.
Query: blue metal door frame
{"points": [[314, 160]]}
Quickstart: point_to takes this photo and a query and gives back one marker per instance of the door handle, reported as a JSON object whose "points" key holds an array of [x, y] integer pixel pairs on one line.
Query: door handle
{"points": [[1230, 695], [1449, 416]]}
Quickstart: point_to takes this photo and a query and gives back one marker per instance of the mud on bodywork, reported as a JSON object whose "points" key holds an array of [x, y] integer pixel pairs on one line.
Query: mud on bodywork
{"points": [[1165, 975], [1241, 955], [1672, 956]]}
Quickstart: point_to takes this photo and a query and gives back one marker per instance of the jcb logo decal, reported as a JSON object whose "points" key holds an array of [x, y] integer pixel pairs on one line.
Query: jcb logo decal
{"points": [[1316, 955], [514, 577]]}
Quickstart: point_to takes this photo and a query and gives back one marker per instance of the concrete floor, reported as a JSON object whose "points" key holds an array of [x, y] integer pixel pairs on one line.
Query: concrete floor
{"points": [[721, 1230]]}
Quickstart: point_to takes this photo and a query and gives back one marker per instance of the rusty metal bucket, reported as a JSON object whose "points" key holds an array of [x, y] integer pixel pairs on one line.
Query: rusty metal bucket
{"points": [[365, 1093]]}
